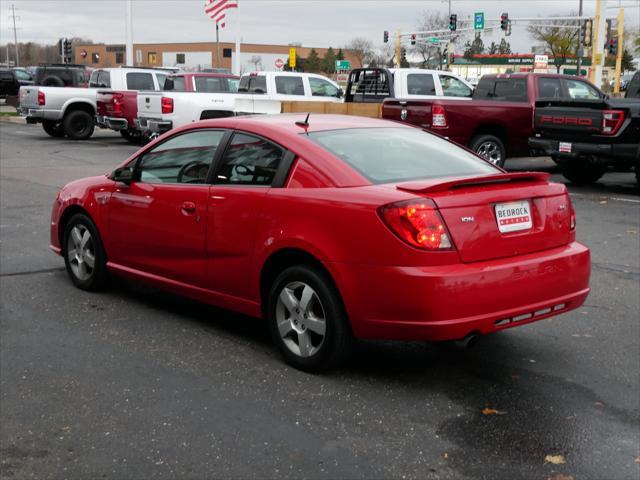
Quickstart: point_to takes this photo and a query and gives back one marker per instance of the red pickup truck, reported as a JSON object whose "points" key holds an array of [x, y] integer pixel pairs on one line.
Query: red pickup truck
{"points": [[499, 119], [118, 110]]}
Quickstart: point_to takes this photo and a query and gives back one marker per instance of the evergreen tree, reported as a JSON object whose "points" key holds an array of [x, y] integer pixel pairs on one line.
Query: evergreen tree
{"points": [[340, 55], [329, 61], [313, 64], [504, 47]]}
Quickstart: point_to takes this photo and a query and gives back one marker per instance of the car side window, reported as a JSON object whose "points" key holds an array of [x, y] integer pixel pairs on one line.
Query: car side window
{"points": [[22, 75], [140, 81], [185, 158], [420, 84], [549, 88], [581, 90], [453, 87], [178, 84], [322, 88], [286, 85], [161, 77], [249, 160]]}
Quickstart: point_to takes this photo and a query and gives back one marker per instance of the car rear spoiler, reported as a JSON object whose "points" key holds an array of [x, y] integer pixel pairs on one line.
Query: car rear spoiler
{"points": [[430, 186]]}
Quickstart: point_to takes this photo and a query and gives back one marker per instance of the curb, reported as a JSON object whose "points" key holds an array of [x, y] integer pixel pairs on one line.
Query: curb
{"points": [[19, 120]]}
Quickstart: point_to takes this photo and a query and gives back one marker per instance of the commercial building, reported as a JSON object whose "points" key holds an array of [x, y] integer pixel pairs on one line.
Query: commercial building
{"points": [[196, 56]]}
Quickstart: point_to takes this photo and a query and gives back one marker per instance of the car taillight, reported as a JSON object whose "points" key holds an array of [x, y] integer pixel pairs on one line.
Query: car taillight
{"points": [[167, 104], [41, 99], [438, 116], [418, 223], [117, 102], [611, 121]]}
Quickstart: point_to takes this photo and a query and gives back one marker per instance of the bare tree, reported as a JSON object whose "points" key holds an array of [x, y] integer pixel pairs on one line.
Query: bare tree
{"points": [[362, 49], [432, 54], [561, 42]]}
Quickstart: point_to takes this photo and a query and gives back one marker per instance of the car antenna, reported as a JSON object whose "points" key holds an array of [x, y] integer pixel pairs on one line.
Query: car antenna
{"points": [[304, 124]]}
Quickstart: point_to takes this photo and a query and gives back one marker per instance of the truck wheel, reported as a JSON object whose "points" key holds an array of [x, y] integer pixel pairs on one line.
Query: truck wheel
{"points": [[582, 173], [52, 81], [131, 136], [78, 125], [490, 148], [54, 129]]}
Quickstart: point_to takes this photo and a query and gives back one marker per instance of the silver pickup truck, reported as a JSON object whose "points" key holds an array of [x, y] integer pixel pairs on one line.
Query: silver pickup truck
{"points": [[72, 111]]}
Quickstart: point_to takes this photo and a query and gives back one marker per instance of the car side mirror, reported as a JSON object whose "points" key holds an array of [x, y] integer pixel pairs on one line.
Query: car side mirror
{"points": [[123, 175], [168, 84]]}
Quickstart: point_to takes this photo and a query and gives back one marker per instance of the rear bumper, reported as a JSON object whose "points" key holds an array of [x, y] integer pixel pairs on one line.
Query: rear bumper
{"points": [[450, 302], [153, 125], [113, 123], [36, 114], [612, 151]]}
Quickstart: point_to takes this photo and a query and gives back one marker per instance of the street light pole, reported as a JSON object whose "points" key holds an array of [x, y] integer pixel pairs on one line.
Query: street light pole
{"points": [[579, 50], [15, 36], [129, 33]]}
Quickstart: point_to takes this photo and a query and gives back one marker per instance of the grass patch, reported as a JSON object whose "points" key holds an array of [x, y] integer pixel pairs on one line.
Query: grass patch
{"points": [[8, 114]]}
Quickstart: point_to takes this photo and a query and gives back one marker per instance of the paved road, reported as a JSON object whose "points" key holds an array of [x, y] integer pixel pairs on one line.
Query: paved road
{"points": [[134, 383]]}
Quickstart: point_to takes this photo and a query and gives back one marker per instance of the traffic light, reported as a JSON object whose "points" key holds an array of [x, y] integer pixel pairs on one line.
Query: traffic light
{"points": [[453, 22], [508, 32], [61, 47], [607, 36], [413, 39], [612, 47], [403, 54], [68, 57], [386, 36], [504, 21], [587, 32]]}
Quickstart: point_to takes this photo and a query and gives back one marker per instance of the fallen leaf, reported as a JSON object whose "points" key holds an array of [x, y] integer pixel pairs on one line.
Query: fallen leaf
{"points": [[555, 459], [632, 231], [445, 456], [560, 476], [66, 429], [492, 411], [638, 459]]}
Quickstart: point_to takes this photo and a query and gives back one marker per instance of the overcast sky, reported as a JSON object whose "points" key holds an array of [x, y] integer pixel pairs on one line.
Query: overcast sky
{"points": [[310, 22]]}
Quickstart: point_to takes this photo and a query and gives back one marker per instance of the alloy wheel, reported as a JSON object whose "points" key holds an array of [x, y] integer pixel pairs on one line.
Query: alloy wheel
{"points": [[490, 151], [80, 252], [301, 319]]}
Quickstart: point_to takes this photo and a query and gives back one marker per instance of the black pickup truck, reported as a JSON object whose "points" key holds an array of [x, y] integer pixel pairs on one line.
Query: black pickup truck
{"points": [[586, 137]]}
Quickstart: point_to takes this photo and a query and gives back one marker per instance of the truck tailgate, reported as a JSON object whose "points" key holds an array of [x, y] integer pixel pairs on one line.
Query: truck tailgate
{"points": [[150, 104], [29, 97], [571, 119]]}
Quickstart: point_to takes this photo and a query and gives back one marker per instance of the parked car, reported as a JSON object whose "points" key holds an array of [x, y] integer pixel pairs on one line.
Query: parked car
{"points": [[72, 111], [587, 137], [373, 85], [260, 92], [330, 227], [498, 121], [212, 82], [633, 89], [624, 81], [61, 75], [11, 79]]}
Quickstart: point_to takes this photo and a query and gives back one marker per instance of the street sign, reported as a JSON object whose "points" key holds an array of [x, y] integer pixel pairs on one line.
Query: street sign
{"points": [[434, 40], [478, 21], [541, 62], [343, 65], [279, 63], [292, 57]]}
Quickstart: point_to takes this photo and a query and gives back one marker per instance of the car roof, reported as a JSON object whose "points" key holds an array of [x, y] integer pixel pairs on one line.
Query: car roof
{"points": [[205, 74]]}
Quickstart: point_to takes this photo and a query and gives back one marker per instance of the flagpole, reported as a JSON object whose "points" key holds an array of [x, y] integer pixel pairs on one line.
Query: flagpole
{"points": [[237, 62], [218, 63]]}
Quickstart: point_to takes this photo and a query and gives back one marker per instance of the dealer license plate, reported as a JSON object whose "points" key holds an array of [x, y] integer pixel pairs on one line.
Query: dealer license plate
{"points": [[564, 147], [513, 216]]}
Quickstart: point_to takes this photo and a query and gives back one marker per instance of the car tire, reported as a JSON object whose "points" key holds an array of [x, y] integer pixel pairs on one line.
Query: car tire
{"points": [[78, 125], [54, 129], [82, 247], [307, 319], [52, 81], [582, 173], [490, 148]]}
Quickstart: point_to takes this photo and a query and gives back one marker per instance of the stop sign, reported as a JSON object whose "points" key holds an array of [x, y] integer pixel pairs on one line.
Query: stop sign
{"points": [[279, 63]]}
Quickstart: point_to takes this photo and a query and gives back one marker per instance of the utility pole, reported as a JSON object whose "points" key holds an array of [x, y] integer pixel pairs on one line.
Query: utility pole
{"points": [[620, 53], [15, 36], [398, 49], [580, 46]]}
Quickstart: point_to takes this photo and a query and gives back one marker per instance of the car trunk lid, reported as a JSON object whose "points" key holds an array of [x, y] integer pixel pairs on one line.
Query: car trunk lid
{"points": [[501, 215]]}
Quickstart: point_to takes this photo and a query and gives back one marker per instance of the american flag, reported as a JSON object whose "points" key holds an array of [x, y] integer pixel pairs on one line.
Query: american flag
{"points": [[216, 9]]}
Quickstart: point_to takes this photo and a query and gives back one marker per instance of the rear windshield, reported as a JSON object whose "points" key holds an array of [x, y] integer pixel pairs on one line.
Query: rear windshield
{"points": [[502, 89], [385, 155]]}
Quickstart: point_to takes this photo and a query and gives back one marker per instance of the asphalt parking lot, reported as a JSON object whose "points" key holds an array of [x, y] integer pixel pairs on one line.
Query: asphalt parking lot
{"points": [[133, 383]]}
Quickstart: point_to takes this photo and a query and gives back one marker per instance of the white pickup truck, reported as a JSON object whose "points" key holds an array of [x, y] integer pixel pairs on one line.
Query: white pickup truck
{"points": [[72, 111], [259, 92]]}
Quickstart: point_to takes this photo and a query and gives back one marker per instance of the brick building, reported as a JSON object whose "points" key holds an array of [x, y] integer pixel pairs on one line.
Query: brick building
{"points": [[195, 56]]}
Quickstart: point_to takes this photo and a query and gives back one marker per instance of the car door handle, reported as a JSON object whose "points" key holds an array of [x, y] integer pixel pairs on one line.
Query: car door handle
{"points": [[188, 207]]}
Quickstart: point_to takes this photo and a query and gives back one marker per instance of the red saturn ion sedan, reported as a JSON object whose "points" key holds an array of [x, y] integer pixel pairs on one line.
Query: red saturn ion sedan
{"points": [[331, 227]]}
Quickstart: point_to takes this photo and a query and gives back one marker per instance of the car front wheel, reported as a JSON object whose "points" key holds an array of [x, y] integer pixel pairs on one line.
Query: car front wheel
{"points": [[307, 320], [83, 253]]}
